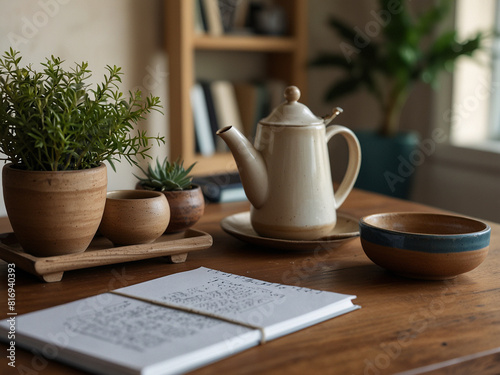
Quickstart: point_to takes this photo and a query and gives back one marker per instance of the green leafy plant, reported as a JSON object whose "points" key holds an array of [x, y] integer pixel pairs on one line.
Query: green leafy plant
{"points": [[166, 176], [53, 120], [409, 49]]}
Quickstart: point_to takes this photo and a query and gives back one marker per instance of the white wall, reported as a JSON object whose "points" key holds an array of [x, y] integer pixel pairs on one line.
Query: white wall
{"points": [[461, 180], [126, 33]]}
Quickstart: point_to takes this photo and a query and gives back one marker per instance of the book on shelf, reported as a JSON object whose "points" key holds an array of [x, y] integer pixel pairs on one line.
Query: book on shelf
{"points": [[173, 324], [200, 22], [205, 140], [223, 187], [211, 14], [256, 100], [253, 104], [212, 117], [217, 17], [225, 104], [239, 104], [227, 9], [240, 17]]}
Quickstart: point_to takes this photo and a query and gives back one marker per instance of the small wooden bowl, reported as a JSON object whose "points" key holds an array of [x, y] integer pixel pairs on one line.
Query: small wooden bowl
{"points": [[134, 216], [425, 245]]}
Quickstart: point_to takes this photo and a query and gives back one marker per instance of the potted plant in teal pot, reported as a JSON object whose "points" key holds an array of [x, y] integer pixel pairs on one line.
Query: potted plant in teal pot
{"points": [[56, 132], [410, 49], [186, 200]]}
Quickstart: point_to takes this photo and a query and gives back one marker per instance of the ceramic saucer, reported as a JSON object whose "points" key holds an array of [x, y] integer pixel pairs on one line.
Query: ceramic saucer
{"points": [[239, 226]]}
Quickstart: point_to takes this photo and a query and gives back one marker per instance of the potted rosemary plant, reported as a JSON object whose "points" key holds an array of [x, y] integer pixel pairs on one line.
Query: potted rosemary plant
{"points": [[410, 49], [56, 132], [185, 198]]}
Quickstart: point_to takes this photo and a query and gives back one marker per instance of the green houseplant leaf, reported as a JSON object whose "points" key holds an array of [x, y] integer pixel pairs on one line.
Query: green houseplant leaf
{"points": [[53, 120], [411, 48]]}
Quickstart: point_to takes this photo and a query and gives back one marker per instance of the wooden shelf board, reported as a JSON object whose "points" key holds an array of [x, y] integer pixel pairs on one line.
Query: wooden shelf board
{"points": [[244, 43], [215, 164]]}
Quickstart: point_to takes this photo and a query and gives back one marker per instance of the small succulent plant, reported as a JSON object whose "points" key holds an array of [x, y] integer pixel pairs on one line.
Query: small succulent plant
{"points": [[166, 176]]}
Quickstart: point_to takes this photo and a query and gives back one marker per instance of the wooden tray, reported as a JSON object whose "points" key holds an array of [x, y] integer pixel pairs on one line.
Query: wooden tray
{"points": [[102, 252]]}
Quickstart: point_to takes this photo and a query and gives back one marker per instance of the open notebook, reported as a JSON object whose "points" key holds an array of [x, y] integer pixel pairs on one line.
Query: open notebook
{"points": [[212, 315]]}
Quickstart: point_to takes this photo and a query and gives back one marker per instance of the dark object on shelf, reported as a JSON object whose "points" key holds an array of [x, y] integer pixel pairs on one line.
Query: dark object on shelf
{"points": [[224, 187]]}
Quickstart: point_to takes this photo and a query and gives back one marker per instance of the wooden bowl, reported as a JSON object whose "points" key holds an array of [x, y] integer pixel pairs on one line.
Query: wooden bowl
{"points": [[134, 216], [425, 245]]}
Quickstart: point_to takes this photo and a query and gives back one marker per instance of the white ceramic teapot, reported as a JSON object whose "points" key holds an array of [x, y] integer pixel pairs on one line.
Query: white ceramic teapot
{"points": [[286, 175]]}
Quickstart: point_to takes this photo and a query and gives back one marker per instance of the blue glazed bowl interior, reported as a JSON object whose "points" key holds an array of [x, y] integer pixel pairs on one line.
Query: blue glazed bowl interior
{"points": [[425, 232]]}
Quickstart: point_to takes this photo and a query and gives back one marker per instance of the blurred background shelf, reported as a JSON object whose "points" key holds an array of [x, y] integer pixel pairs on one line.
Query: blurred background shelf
{"points": [[245, 43], [284, 58]]}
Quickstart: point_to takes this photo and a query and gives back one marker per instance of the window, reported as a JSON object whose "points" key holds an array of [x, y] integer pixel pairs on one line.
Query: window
{"points": [[495, 96], [475, 109]]}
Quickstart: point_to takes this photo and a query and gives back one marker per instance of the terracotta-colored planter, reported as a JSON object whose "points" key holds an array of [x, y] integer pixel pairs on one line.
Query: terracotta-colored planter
{"points": [[54, 213], [134, 216], [186, 208]]}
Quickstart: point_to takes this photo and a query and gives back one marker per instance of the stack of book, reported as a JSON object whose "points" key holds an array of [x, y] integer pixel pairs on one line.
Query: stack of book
{"points": [[220, 103], [217, 17]]}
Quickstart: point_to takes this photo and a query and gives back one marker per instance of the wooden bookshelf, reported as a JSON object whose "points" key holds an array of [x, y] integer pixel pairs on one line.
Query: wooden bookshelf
{"points": [[286, 59]]}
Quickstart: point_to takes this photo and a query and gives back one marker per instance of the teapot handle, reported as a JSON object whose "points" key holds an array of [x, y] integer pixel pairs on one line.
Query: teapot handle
{"points": [[353, 165]]}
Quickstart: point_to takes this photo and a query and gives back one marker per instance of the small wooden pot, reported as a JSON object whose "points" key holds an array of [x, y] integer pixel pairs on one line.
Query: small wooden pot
{"points": [[54, 213], [186, 208], [134, 217]]}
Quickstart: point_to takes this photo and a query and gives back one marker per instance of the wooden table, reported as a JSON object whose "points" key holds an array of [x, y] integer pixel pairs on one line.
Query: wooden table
{"points": [[409, 326]]}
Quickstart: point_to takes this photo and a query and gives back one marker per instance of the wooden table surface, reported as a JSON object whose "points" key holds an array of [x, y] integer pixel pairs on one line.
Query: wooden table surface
{"points": [[404, 325]]}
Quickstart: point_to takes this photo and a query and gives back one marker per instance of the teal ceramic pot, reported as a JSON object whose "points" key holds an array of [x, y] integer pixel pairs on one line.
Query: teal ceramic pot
{"points": [[425, 245], [388, 164]]}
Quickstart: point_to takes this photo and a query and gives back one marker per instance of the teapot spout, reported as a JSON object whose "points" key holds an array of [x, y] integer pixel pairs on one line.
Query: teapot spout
{"points": [[251, 165]]}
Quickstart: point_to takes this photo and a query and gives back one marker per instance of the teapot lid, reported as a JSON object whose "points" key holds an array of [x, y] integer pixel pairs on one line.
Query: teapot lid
{"points": [[291, 112]]}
